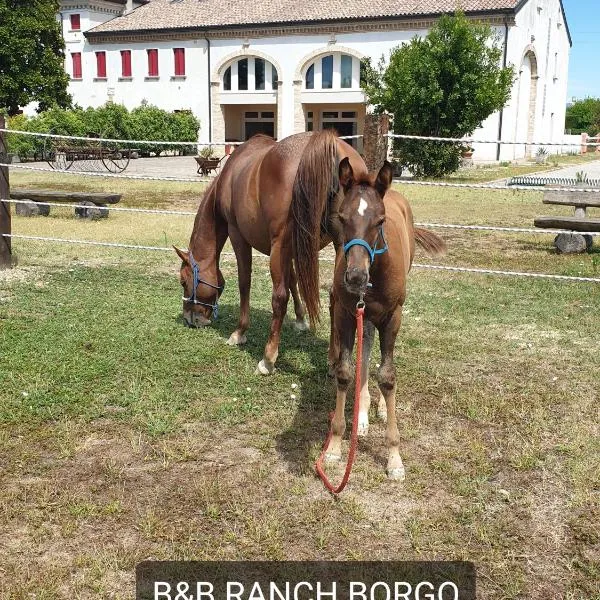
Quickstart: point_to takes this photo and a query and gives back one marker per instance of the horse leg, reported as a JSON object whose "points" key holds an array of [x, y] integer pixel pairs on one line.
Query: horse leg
{"points": [[243, 254], [333, 354], [365, 397], [300, 324], [346, 328], [280, 274], [386, 377]]}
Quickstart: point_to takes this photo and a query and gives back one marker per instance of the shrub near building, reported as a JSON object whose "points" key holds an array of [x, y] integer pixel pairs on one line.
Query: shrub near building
{"points": [[108, 121]]}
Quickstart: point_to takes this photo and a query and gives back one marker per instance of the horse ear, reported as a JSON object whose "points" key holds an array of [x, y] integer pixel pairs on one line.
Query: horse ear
{"points": [[384, 179], [346, 174], [183, 255]]}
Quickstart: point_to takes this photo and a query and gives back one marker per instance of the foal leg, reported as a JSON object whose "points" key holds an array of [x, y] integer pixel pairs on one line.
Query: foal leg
{"points": [[333, 354], [387, 384], [280, 274], [243, 254], [365, 397], [300, 324], [346, 328]]}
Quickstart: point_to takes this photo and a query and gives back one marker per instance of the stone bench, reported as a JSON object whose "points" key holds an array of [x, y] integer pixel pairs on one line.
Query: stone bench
{"points": [[92, 205], [581, 201]]}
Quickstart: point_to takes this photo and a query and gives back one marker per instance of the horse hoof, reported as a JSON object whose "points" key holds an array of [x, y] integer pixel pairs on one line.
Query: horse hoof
{"points": [[301, 325], [263, 369], [235, 339], [396, 474], [332, 457]]}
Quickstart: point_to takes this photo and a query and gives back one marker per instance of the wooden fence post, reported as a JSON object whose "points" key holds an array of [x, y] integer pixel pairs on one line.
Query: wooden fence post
{"points": [[5, 224], [375, 141]]}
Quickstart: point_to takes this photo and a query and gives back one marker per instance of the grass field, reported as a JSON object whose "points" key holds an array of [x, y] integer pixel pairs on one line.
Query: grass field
{"points": [[126, 436]]}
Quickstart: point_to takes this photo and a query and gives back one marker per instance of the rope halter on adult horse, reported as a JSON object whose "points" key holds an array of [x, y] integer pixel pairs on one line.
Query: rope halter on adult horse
{"points": [[196, 281]]}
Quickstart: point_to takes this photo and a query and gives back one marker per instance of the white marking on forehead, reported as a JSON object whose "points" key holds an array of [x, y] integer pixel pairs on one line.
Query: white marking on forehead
{"points": [[362, 207]]}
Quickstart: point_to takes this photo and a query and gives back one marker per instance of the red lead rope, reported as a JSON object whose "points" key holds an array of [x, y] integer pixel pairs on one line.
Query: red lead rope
{"points": [[360, 311]]}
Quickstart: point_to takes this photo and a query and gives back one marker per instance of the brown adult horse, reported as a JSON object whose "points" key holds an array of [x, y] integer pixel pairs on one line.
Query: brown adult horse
{"points": [[266, 197], [375, 238]]}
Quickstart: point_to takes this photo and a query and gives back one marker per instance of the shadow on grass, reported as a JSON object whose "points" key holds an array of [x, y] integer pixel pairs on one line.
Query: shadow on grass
{"points": [[302, 355]]}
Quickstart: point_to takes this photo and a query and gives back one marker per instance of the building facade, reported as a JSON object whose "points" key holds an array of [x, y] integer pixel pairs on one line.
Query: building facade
{"points": [[244, 68]]}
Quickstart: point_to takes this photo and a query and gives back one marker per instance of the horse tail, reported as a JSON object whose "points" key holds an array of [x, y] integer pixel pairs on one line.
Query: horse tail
{"points": [[316, 180], [433, 244]]}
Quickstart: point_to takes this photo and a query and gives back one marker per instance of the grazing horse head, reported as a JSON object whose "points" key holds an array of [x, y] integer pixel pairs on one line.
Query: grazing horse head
{"points": [[358, 223], [201, 290]]}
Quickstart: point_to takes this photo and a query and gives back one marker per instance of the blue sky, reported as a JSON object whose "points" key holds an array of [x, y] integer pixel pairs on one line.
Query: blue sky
{"points": [[583, 17]]}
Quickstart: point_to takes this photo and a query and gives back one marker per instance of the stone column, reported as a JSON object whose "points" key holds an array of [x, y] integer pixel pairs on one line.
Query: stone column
{"points": [[375, 142]]}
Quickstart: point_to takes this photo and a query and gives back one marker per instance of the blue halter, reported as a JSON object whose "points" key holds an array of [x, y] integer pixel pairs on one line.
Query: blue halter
{"points": [[196, 282], [373, 252]]}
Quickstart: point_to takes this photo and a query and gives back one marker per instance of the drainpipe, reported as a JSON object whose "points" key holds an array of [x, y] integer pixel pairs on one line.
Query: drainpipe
{"points": [[209, 92], [504, 60]]}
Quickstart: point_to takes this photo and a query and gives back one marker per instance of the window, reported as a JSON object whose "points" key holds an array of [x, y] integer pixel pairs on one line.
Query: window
{"points": [[152, 63], [76, 58], [337, 70], [327, 72], [101, 65], [252, 74], [346, 69], [243, 74], [310, 78], [125, 63], [259, 74], [179, 56], [227, 80], [75, 22]]}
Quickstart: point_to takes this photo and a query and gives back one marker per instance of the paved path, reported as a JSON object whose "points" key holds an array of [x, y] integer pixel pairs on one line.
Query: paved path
{"points": [[592, 169]]}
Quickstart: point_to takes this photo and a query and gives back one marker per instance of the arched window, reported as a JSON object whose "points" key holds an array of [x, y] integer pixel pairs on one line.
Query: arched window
{"points": [[333, 71], [251, 74]]}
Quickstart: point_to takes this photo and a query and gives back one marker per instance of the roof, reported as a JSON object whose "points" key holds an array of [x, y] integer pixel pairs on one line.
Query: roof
{"points": [[215, 14]]}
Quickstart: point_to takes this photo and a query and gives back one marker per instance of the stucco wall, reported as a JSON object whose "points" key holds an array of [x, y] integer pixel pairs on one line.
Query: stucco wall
{"points": [[539, 29]]}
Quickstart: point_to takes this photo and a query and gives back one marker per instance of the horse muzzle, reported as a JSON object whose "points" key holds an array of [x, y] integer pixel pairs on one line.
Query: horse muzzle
{"points": [[195, 320], [356, 280]]}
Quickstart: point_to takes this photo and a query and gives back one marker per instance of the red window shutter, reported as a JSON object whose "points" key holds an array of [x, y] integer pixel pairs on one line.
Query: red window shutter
{"points": [[101, 65], [75, 22], [179, 61], [153, 63], [126, 63], [77, 72]]}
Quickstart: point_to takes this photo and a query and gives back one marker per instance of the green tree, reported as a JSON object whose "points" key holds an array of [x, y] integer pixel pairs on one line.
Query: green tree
{"points": [[31, 55], [445, 84], [583, 116]]}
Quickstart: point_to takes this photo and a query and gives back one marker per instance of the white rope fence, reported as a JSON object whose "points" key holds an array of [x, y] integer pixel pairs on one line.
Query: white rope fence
{"points": [[476, 186], [110, 175], [79, 138], [346, 137], [430, 138], [187, 213], [262, 256]]}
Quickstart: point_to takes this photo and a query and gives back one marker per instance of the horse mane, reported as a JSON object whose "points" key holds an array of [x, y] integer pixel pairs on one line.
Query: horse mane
{"points": [[315, 183]]}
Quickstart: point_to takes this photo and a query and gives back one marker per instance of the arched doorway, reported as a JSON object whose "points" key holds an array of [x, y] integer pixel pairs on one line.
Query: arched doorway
{"points": [[246, 90], [526, 103]]}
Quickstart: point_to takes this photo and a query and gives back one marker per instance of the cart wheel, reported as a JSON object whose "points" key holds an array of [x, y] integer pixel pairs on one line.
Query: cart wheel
{"points": [[116, 161], [55, 156]]}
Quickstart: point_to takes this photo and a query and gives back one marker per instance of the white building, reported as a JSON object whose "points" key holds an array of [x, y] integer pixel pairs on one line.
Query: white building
{"points": [[289, 66]]}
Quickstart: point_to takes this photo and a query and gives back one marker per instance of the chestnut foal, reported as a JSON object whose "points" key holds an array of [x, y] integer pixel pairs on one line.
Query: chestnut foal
{"points": [[375, 240]]}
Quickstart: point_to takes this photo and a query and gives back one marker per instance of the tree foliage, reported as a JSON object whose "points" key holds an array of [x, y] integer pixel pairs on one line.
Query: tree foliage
{"points": [[583, 116], [31, 55], [445, 84]]}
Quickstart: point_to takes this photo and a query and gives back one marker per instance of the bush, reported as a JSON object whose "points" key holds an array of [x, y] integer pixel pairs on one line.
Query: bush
{"points": [[444, 85], [108, 121]]}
